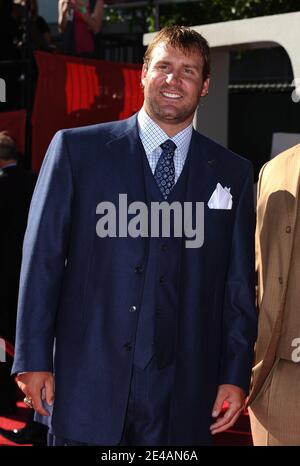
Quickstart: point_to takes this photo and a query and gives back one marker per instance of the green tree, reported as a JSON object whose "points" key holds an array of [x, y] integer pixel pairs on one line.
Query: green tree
{"points": [[191, 13], [211, 11]]}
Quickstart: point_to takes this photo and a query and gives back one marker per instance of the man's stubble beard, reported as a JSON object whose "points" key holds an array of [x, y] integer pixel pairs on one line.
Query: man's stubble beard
{"points": [[161, 113]]}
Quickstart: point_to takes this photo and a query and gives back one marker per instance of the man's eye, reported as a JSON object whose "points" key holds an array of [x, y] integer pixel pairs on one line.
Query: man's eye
{"points": [[188, 70]]}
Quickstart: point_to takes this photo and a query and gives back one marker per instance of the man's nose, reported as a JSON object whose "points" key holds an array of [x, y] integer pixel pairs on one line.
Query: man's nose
{"points": [[172, 77]]}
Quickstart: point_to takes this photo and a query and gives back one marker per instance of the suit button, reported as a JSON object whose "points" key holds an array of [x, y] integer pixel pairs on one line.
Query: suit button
{"points": [[132, 309], [162, 279], [128, 346], [139, 269], [157, 313], [164, 247], [288, 229], [280, 279]]}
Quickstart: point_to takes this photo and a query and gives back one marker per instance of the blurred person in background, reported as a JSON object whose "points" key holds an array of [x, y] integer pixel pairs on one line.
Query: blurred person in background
{"points": [[79, 21], [8, 31], [16, 188], [40, 36], [9, 71]]}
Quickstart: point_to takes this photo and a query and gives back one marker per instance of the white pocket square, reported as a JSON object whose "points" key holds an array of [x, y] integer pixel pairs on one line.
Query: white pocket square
{"points": [[220, 198]]}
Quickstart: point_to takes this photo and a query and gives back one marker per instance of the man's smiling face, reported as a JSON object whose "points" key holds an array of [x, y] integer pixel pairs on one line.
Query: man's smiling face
{"points": [[173, 85]]}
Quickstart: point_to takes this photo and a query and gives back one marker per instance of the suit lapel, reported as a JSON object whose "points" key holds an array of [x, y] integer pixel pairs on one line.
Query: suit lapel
{"points": [[127, 154], [202, 177], [291, 190]]}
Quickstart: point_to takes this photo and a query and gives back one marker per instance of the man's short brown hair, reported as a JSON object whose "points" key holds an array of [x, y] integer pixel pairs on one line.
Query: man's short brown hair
{"points": [[182, 38]]}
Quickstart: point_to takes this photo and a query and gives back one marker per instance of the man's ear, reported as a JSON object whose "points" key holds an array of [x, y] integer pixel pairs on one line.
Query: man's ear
{"points": [[144, 73], [205, 86]]}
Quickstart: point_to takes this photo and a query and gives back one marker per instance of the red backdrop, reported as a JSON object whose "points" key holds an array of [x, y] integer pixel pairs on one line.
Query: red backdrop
{"points": [[74, 92]]}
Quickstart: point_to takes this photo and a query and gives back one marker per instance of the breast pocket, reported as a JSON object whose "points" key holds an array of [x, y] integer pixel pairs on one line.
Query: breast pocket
{"points": [[218, 226], [219, 216]]}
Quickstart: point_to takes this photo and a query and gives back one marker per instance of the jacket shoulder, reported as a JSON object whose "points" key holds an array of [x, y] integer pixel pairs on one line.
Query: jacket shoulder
{"points": [[220, 152], [105, 131], [282, 173], [281, 161]]}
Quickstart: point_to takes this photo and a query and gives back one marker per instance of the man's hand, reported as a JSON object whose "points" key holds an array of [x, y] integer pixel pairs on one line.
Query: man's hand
{"points": [[38, 386], [235, 397]]}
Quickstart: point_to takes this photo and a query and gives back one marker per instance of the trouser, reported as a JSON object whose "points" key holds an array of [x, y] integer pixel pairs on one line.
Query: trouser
{"points": [[148, 411]]}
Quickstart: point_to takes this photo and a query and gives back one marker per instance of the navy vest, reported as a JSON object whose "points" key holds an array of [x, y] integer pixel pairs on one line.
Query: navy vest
{"points": [[157, 324]]}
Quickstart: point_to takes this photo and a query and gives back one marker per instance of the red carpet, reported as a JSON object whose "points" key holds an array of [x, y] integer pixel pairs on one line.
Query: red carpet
{"points": [[238, 435], [16, 421]]}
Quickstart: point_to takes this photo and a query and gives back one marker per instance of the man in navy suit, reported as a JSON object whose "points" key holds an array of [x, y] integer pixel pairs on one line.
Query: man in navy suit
{"points": [[152, 334]]}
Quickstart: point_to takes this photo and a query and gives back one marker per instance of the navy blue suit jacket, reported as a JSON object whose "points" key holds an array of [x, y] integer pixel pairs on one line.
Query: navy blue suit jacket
{"points": [[77, 289]]}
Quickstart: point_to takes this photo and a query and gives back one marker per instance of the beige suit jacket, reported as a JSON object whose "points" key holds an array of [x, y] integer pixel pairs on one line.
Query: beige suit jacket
{"points": [[278, 263]]}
